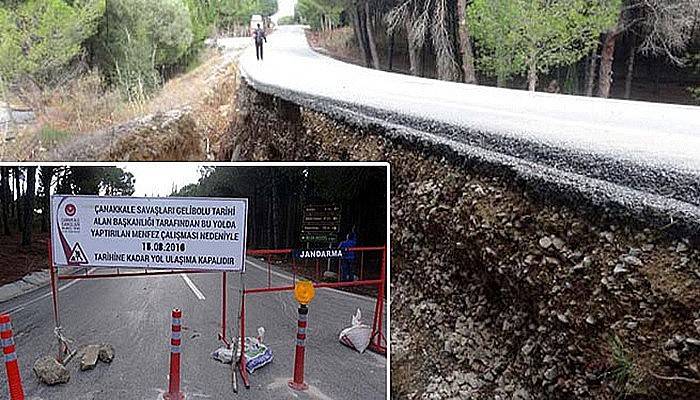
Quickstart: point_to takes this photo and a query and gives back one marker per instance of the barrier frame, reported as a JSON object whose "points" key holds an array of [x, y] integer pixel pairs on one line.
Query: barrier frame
{"points": [[376, 339], [55, 277]]}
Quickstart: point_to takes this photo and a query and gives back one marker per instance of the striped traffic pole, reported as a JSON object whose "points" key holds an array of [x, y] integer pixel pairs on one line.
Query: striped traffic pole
{"points": [[14, 380], [174, 392], [298, 382]]}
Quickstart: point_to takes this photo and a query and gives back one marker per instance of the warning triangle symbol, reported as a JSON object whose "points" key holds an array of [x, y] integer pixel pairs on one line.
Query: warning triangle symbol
{"points": [[77, 255]]}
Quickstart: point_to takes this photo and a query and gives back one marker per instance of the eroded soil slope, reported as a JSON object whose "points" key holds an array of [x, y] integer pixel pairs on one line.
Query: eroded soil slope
{"points": [[500, 290]]}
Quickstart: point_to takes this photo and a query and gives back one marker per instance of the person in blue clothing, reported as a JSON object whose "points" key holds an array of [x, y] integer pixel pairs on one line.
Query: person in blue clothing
{"points": [[347, 263]]}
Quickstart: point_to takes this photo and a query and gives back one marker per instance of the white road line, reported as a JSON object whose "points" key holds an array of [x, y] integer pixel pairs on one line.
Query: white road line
{"points": [[289, 278], [192, 286]]}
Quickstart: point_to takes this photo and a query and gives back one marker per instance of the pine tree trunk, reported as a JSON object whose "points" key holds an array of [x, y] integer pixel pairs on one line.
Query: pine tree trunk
{"points": [[370, 37], [532, 77], [590, 73], [29, 207], [500, 81], [465, 44], [605, 75], [275, 212], [5, 198], [269, 222], [390, 55], [414, 53], [291, 205], [46, 175], [630, 71], [18, 203], [357, 26]]}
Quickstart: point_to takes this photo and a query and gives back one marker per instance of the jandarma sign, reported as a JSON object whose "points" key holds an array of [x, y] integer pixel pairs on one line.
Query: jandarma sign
{"points": [[149, 232], [319, 253]]}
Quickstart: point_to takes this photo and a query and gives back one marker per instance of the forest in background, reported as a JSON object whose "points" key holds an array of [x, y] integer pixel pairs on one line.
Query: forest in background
{"points": [[643, 49], [277, 196], [25, 193], [127, 46]]}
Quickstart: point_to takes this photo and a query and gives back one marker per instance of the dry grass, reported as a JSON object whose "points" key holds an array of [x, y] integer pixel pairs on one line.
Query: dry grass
{"points": [[85, 105], [337, 42]]}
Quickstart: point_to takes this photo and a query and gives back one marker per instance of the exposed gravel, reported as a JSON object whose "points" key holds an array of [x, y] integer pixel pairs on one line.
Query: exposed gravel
{"points": [[501, 288]]}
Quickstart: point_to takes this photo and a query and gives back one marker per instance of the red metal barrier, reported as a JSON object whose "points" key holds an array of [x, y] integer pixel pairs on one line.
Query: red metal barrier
{"points": [[14, 380], [174, 392], [377, 341]]}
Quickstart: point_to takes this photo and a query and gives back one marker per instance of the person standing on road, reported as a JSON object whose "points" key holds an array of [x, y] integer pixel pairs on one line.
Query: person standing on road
{"points": [[347, 263], [259, 36]]}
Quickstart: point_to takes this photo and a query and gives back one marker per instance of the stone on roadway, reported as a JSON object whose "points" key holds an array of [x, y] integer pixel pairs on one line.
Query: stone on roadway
{"points": [[50, 371], [106, 353], [89, 359]]}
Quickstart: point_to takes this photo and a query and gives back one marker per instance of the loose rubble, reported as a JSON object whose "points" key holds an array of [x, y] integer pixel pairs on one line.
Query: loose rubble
{"points": [[106, 353], [89, 357], [50, 371]]}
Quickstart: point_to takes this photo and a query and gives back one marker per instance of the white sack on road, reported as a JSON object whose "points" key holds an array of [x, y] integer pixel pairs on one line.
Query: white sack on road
{"points": [[356, 336]]}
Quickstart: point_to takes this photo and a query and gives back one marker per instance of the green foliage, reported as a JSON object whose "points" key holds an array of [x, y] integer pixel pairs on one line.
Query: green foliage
{"points": [[111, 181], [40, 37], [516, 36], [10, 50], [52, 136], [695, 94], [239, 12], [202, 17], [624, 373], [287, 20], [140, 37], [313, 12]]}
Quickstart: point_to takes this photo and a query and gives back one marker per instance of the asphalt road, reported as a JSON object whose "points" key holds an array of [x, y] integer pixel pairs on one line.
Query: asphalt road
{"points": [[639, 155], [133, 314]]}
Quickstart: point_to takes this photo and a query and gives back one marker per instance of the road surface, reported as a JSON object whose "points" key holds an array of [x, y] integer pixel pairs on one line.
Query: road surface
{"points": [[133, 314], [642, 156]]}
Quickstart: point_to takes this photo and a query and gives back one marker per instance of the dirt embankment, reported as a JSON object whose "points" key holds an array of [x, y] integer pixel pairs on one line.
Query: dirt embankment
{"points": [[184, 121], [499, 291]]}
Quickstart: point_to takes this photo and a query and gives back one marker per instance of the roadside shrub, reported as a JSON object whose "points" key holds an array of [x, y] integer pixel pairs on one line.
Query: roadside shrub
{"points": [[50, 136], [40, 37], [140, 38], [286, 20]]}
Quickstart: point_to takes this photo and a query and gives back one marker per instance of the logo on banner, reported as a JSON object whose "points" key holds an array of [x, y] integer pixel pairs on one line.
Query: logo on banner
{"points": [[77, 255], [70, 209]]}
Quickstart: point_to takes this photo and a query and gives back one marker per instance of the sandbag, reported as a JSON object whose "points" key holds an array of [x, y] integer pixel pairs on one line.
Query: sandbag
{"points": [[223, 354], [257, 354], [356, 336]]}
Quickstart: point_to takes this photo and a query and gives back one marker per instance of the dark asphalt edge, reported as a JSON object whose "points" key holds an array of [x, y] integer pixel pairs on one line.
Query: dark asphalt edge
{"points": [[580, 191]]}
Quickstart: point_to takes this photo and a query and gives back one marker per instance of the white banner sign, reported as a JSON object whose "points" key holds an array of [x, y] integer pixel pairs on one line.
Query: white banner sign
{"points": [[149, 232]]}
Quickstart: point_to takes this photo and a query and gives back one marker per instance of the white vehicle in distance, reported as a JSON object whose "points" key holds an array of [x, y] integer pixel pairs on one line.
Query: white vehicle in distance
{"points": [[254, 21]]}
